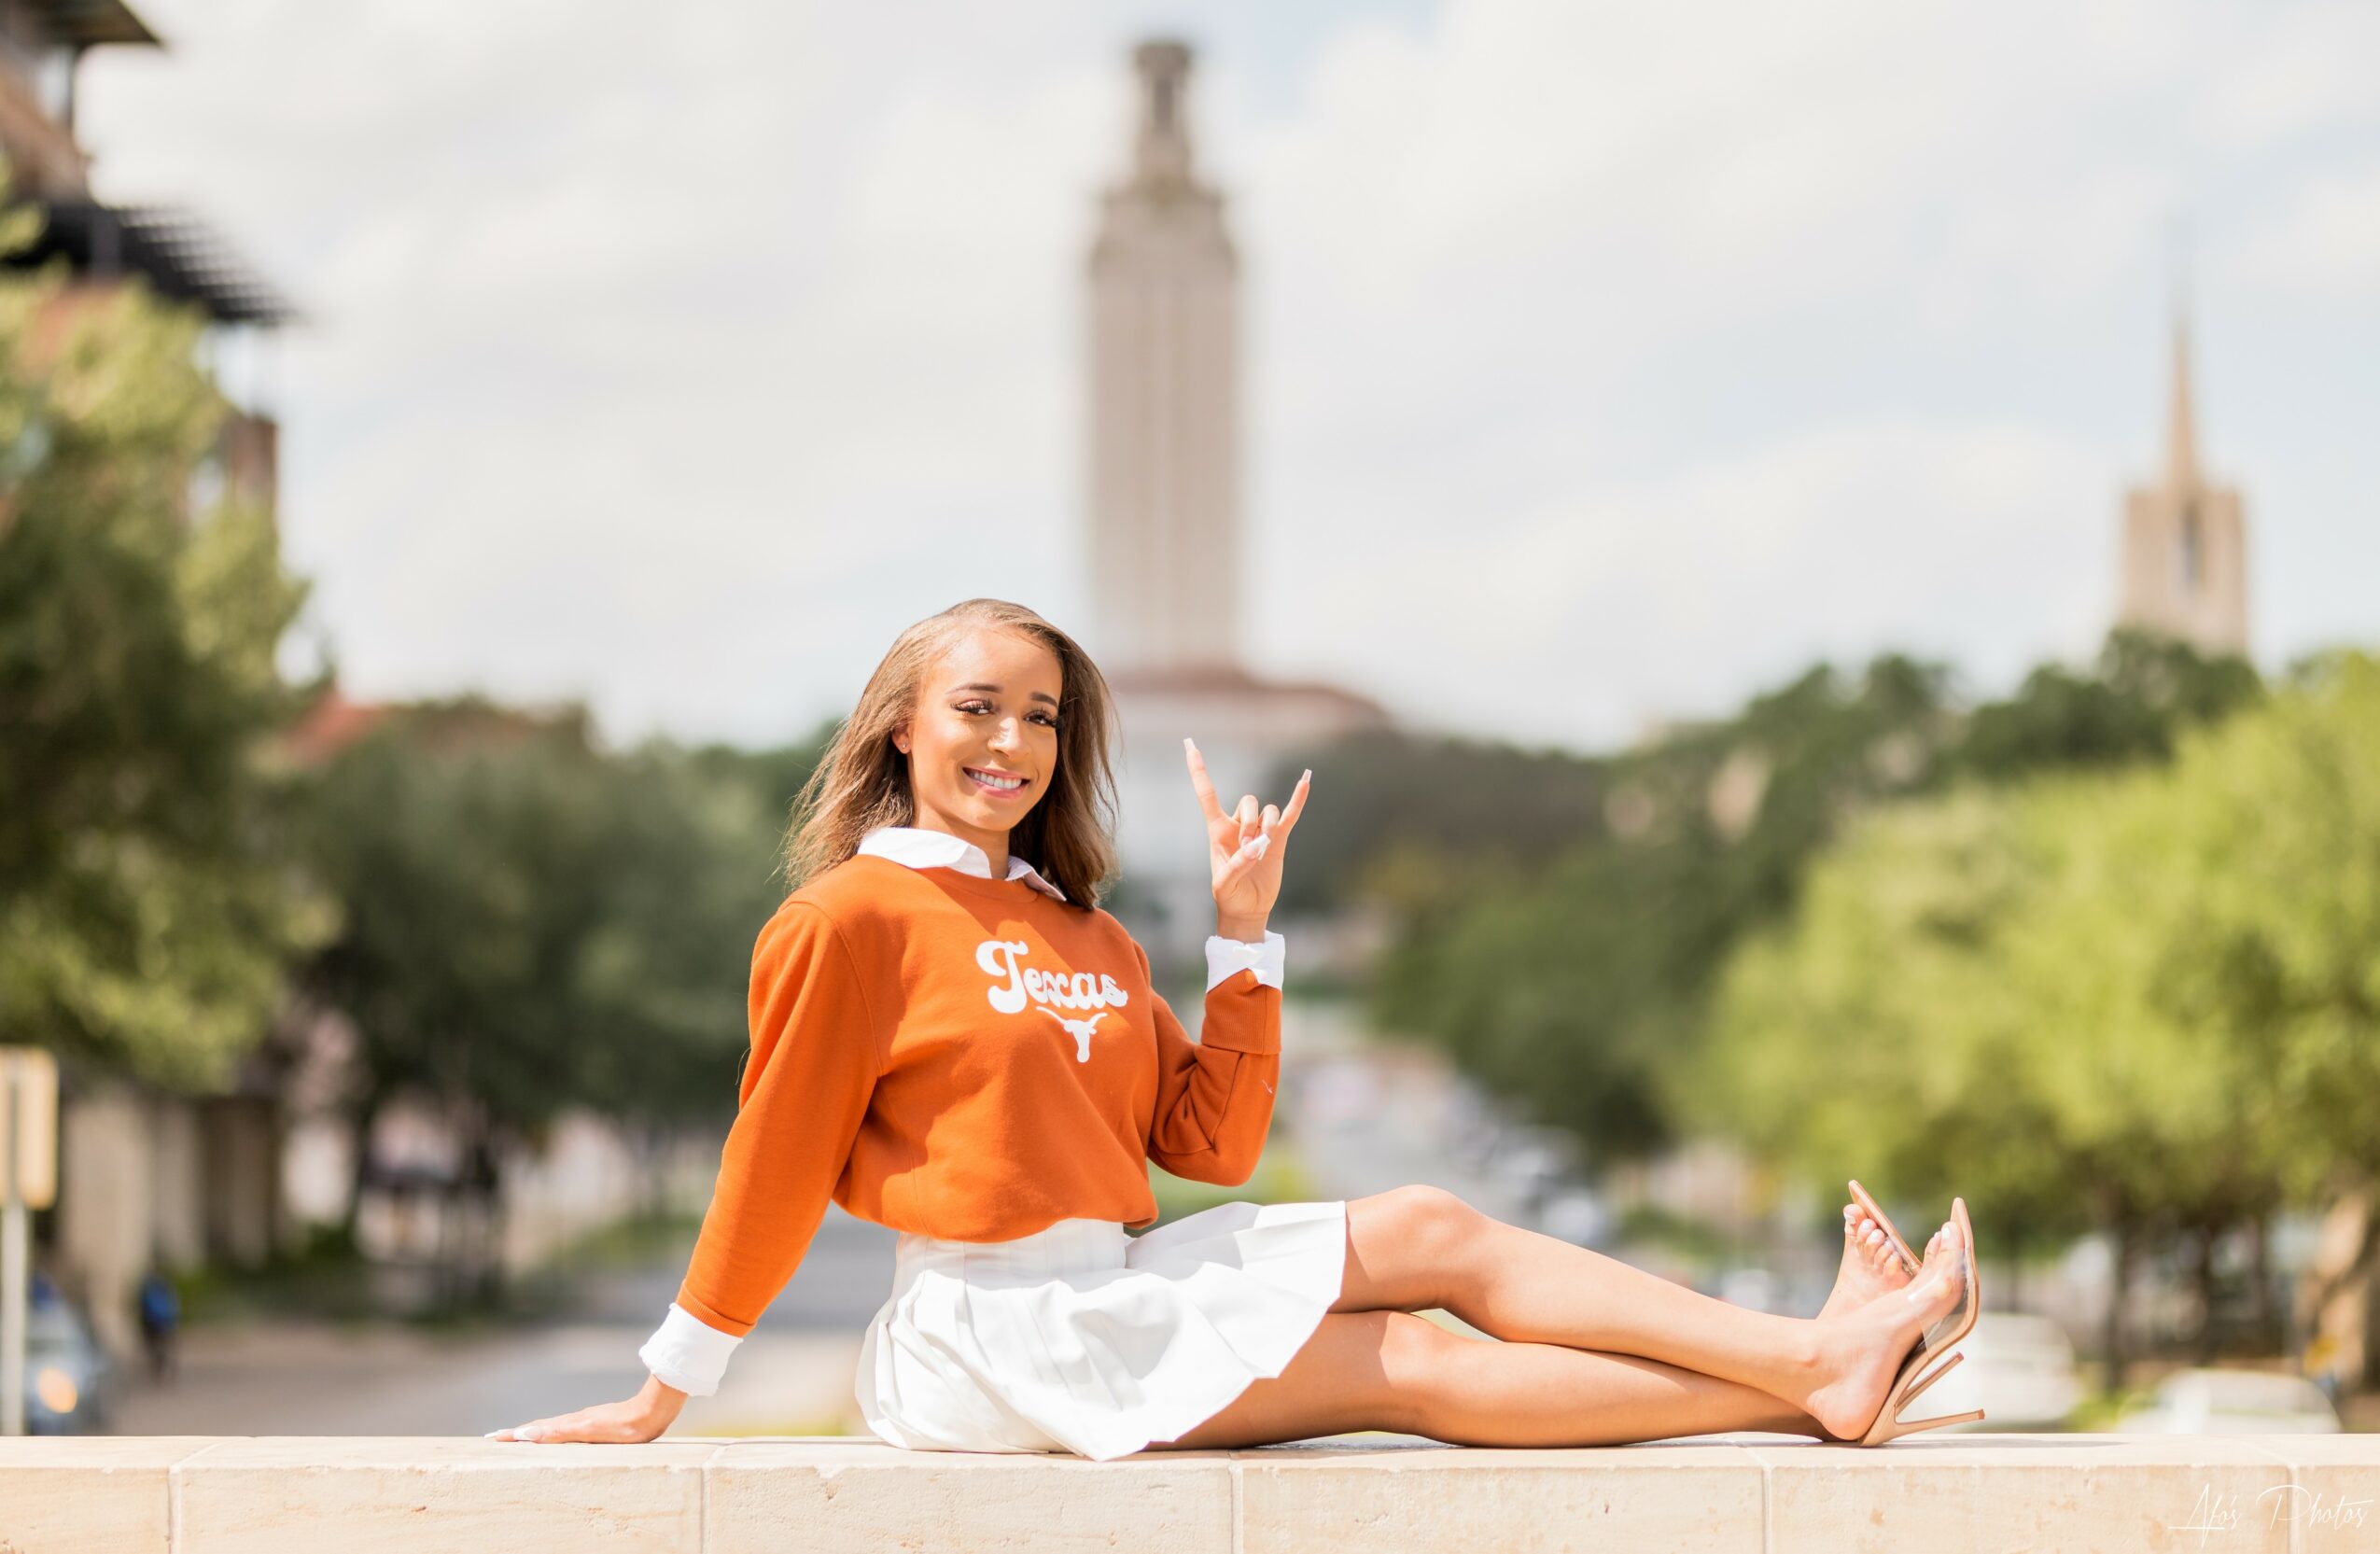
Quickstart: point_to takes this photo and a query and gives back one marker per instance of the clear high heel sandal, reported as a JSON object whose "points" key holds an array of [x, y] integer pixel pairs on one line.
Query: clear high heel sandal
{"points": [[1914, 1376]]}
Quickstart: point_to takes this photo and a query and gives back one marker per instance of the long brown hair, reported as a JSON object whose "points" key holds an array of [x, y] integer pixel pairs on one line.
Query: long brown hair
{"points": [[862, 782]]}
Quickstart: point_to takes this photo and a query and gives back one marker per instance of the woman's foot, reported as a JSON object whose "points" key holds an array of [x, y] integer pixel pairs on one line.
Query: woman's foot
{"points": [[1871, 1266], [1860, 1348]]}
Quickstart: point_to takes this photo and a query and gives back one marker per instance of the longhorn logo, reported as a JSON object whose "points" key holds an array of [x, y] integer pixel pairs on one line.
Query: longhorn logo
{"points": [[1081, 1031]]}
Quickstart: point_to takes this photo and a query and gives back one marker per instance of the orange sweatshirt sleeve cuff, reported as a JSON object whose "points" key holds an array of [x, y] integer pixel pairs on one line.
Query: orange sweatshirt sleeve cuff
{"points": [[687, 1353], [1237, 1017]]}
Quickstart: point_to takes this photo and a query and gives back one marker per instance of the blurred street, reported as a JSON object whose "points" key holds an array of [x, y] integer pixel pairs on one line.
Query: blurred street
{"points": [[792, 1375]]}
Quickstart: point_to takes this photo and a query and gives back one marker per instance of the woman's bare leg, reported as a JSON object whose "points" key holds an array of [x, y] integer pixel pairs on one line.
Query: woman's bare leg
{"points": [[1419, 1247], [1390, 1370]]}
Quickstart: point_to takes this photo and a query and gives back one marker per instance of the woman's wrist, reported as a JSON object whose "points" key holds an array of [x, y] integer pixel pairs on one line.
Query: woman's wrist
{"points": [[660, 1401], [1249, 928]]}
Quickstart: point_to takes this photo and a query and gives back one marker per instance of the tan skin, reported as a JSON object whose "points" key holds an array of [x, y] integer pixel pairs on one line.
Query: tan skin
{"points": [[1593, 1351]]}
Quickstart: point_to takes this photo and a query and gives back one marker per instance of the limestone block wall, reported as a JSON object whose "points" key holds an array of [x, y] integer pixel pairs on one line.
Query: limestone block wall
{"points": [[1755, 1494]]}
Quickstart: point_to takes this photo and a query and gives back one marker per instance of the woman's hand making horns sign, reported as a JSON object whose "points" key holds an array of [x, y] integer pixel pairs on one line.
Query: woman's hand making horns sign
{"points": [[1244, 850]]}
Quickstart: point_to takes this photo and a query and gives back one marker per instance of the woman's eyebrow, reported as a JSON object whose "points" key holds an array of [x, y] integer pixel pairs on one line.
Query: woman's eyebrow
{"points": [[982, 685]]}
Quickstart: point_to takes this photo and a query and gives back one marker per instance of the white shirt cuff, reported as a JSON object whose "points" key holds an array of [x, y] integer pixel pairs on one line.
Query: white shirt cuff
{"points": [[1229, 957], [687, 1352]]}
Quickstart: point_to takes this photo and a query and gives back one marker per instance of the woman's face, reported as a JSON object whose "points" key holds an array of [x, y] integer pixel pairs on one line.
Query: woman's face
{"points": [[982, 741]]}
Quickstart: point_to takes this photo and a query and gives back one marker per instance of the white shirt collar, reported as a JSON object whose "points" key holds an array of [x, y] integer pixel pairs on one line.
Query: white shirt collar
{"points": [[921, 848]]}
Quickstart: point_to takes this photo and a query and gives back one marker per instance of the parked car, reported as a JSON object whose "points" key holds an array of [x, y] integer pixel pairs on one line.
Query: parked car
{"points": [[2234, 1403], [70, 1383], [2019, 1369]]}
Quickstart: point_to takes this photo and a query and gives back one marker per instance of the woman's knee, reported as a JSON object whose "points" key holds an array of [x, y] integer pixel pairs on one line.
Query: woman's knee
{"points": [[1381, 1370], [1427, 1224], [1422, 1365]]}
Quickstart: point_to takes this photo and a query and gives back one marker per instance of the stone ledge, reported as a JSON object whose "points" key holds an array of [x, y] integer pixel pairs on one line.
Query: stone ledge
{"points": [[2272, 1494]]}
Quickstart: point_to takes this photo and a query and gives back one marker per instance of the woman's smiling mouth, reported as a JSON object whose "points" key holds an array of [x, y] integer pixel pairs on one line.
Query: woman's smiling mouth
{"points": [[1002, 784]]}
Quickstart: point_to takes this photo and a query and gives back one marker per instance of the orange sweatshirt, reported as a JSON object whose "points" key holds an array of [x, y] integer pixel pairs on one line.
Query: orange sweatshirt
{"points": [[967, 1058]]}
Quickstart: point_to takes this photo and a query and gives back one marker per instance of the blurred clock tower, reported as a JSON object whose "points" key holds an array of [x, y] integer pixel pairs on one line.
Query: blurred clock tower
{"points": [[1163, 521]]}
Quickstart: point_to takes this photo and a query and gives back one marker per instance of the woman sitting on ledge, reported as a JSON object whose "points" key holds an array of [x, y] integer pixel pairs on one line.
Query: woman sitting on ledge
{"points": [[951, 1038]]}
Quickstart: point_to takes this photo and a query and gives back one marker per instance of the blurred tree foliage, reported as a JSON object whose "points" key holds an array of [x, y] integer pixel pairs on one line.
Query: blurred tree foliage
{"points": [[529, 923], [2140, 696], [2145, 1000], [148, 904], [1402, 808], [1561, 921]]}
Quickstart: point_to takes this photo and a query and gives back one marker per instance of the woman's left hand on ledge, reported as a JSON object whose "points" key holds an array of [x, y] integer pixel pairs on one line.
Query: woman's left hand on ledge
{"points": [[1244, 849], [641, 1418]]}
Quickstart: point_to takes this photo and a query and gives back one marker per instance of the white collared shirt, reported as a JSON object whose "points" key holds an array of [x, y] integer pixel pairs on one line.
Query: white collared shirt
{"points": [[921, 848]]}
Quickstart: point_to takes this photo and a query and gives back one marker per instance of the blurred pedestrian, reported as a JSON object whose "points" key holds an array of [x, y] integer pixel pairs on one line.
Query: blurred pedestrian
{"points": [[161, 1310], [2322, 1366]]}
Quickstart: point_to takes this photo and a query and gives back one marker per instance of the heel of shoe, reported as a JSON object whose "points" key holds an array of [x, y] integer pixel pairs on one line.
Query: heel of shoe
{"points": [[1911, 1427], [1889, 1426]]}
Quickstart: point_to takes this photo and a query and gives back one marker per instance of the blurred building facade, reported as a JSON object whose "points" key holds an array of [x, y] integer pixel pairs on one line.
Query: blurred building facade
{"points": [[2185, 539], [1164, 541], [144, 1178], [104, 245]]}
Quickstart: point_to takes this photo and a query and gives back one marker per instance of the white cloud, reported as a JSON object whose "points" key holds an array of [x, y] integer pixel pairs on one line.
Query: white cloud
{"points": [[2295, 71], [1986, 545], [2325, 238], [1605, 361]]}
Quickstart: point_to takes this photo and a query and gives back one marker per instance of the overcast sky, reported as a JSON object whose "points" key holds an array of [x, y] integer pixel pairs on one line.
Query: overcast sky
{"points": [[1605, 362]]}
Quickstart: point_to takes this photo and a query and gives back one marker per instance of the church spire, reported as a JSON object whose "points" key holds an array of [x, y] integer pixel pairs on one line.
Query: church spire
{"points": [[2181, 434], [2185, 539]]}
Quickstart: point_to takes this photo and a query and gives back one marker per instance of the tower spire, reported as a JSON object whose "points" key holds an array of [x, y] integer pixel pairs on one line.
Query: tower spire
{"points": [[2181, 433], [2184, 545], [1161, 154]]}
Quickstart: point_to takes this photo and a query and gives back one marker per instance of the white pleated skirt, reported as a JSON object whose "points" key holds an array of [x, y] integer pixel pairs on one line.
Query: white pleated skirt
{"points": [[1081, 1337]]}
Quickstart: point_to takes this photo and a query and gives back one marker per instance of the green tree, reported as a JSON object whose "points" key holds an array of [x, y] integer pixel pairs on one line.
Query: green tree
{"points": [[2134, 705], [1957, 1005], [2143, 998], [1580, 986], [693, 873], [1406, 811], [1579, 977], [530, 924], [2277, 950], [148, 910]]}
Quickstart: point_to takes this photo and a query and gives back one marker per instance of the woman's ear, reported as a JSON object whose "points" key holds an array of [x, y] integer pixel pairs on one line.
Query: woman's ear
{"points": [[901, 738]]}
